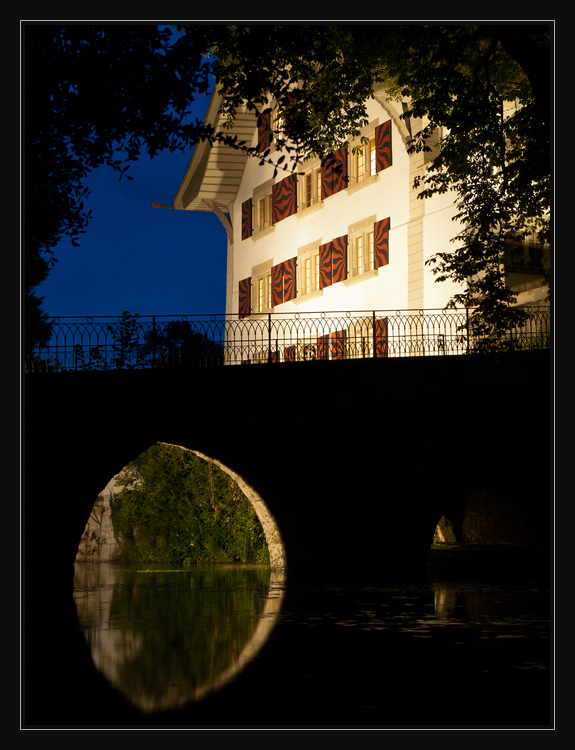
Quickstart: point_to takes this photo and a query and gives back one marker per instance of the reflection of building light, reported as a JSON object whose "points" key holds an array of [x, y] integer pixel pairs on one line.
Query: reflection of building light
{"points": [[445, 601]]}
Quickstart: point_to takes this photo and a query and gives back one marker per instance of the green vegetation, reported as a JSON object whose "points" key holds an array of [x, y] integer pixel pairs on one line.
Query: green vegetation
{"points": [[172, 506]]}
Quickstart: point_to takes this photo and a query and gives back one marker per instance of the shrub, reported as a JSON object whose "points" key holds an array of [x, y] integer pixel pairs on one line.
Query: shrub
{"points": [[173, 506]]}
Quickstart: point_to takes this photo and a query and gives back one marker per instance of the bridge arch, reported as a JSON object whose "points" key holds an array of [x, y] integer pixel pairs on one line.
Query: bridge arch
{"points": [[96, 541]]}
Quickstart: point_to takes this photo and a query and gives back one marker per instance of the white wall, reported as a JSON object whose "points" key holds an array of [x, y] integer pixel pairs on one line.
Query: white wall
{"points": [[388, 196]]}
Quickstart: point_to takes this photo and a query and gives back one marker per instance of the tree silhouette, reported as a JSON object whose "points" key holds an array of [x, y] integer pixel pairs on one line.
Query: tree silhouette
{"points": [[176, 344]]}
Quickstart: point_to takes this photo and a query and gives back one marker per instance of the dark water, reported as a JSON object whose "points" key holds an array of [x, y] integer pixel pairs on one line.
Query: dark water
{"points": [[237, 647]]}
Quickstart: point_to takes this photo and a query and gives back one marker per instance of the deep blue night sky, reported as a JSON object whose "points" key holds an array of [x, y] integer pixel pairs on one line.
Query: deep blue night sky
{"points": [[151, 261]]}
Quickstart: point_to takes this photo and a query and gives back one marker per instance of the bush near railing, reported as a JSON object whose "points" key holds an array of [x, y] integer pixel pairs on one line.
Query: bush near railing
{"points": [[189, 341]]}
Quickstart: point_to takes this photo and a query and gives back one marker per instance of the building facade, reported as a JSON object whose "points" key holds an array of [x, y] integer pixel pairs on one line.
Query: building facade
{"points": [[344, 236]]}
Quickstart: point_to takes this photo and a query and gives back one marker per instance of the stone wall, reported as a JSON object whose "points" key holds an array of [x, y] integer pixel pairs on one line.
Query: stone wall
{"points": [[492, 519], [98, 543]]}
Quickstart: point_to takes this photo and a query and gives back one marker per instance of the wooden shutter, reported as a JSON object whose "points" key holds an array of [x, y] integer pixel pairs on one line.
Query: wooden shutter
{"points": [[277, 285], [284, 286], [323, 347], [245, 294], [339, 259], [289, 354], [247, 227], [264, 131], [284, 198], [325, 265], [381, 243], [380, 337], [334, 173], [333, 262], [338, 339], [289, 274], [383, 146]]}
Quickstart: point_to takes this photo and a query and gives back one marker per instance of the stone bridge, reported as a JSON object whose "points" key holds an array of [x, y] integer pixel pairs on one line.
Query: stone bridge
{"points": [[355, 460]]}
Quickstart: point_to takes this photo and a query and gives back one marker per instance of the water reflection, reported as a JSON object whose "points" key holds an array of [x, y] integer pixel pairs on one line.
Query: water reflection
{"points": [[438, 653], [165, 637]]}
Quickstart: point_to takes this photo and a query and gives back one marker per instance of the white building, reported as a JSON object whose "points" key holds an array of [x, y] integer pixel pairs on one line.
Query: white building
{"points": [[348, 235]]}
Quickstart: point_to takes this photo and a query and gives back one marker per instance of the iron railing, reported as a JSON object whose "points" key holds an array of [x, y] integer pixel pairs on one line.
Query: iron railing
{"points": [[139, 342]]}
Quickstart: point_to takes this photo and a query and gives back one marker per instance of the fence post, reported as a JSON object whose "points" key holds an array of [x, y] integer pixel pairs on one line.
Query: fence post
{"points": [[153, 342], [270, 360], [373, 333]]}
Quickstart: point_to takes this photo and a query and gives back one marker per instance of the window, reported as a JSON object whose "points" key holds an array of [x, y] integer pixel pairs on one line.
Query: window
{"points": [[262, 202], [263, 212], [368, 338], [311, 274], [310, 186], [370, 154], [309, 269], [364, 162], [262, 288], [368, 249], [273, 124], [361, 253]]}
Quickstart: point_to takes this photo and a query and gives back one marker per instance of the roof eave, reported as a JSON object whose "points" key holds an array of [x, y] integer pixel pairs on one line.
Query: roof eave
{"points": [[214, 172]]}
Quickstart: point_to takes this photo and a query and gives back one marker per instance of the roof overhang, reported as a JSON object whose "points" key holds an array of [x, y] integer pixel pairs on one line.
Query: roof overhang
{"points": [[214, 173]]}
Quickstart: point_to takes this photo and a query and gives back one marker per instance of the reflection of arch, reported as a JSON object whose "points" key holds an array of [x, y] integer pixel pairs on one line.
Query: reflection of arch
{"points": [[266, 623], [113, 644], [271, 531]]}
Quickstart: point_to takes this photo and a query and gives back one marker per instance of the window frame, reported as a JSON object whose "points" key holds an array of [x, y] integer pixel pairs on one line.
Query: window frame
{"points": [[309, 253], [311, 170], [359, 173], [262, 197], [261, 279], [357, 147], [363, 230]]}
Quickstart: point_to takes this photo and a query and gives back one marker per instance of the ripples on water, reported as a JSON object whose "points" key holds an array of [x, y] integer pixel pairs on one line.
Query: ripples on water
{"points": [[221, 645]]}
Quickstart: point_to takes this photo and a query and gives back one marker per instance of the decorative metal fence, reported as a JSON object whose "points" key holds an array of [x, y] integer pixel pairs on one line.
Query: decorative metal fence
{"points": [[138, 342]]}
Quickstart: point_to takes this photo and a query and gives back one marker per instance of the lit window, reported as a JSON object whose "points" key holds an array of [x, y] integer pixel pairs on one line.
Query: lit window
{"points": [[261, 292], [310, 186], [264, 212], [365, 160], [311, 273], [308, 264], [259, 306], [361, 253]]}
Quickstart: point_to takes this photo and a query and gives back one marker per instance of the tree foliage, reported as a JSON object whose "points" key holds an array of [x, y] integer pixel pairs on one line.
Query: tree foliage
{"points": [[494, 110], [95, 95], [172, 506], [176, 344]]}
